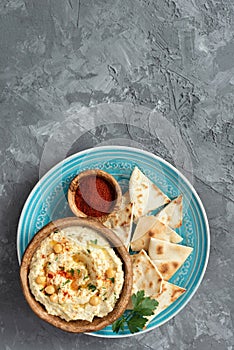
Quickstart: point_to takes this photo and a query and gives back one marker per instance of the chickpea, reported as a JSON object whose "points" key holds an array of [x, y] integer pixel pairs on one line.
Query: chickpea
{"points": [[41, 280], [52, 243], [75, 285], [110, 273], [54, 298], [94, 300], [58, 248], [79, 258], [50, 289]]}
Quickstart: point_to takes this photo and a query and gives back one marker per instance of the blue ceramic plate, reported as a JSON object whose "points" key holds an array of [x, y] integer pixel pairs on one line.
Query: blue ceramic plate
{"points": [[48, 201]]}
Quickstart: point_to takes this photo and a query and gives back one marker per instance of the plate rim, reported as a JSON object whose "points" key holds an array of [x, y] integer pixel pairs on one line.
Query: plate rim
{"points": [[147, 153]]}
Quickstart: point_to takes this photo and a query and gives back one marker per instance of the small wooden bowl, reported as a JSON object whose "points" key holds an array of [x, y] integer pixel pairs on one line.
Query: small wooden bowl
{"points": [[78, 326], [99, 173]]}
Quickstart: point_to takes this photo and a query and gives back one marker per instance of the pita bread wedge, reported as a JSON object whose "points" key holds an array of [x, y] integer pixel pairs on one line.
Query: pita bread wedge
{"points": [[121, 223], [148, 227], [144, 194], [168, 257], [171, 215], [145, 275], [168, 295], [139, 192], [125, 200]]}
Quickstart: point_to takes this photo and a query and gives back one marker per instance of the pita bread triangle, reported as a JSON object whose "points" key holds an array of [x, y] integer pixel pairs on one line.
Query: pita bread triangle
{"points": [[145, 275], [168, 257], [148, 227], [171, 215], [144, 194], [125, 200], [168, 295], [121, 223]]}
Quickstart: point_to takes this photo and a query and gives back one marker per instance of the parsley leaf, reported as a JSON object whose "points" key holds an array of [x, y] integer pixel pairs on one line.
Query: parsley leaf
{"points": [[72, 272], [142, 306], [119, 324], [94, 242], [66, 282], [112, 279], [137, 298], [92, 287], [136, 323]]}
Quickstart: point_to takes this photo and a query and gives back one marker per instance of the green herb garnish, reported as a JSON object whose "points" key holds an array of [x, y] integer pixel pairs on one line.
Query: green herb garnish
{"points": [[56, 259], [66, 282], [85, 277], [78, 270], [112, 279], [94, 242], [142, 306], [89, 251], [92, 287], [72, 272]]}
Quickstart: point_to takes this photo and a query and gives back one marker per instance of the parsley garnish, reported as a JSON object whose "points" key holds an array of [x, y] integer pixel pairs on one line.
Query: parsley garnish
{"points": [[94, 242], [78, 270], [142, 306], [112, 279], [85, 277], [92, 287], [66, 282], [72, 272]]}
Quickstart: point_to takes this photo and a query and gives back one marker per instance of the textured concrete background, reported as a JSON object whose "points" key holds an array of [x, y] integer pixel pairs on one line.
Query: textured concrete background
{"points": [[175, 56]]}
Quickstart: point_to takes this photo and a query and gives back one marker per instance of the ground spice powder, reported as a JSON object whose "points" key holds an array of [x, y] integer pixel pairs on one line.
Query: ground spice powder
{"points": [[95, 196]]}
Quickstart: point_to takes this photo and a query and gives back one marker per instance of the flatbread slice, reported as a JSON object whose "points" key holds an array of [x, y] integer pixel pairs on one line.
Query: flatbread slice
{"points": [[171, 215], [168, 295], [168, 257], [148, 227], [125, 200], [139, 192], [144, 194], [121, 223], [145, 275]]}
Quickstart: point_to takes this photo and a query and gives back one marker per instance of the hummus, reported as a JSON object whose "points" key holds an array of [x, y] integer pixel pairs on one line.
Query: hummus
{"points": [[76, 275]]}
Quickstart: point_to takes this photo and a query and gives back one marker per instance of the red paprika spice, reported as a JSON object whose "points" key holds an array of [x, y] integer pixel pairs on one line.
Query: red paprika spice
{"points": [[95, 196]]}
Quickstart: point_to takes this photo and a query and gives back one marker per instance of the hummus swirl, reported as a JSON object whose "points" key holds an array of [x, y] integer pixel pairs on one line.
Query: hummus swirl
{"points": [[76, 275]]}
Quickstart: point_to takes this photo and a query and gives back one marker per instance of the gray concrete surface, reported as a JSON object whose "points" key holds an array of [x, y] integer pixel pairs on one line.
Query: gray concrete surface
{"points": [[58, 56]]}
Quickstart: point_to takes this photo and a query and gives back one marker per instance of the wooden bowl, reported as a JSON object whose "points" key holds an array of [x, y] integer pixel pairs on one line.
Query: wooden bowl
{"points": [[78, 326], [99, 173]]}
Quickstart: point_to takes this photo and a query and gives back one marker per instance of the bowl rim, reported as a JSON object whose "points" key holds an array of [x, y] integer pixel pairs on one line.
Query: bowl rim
{"points": [[78, 326], [75, 183]]}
